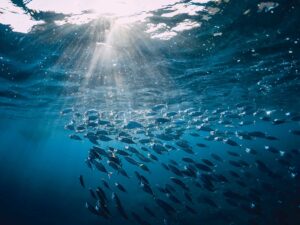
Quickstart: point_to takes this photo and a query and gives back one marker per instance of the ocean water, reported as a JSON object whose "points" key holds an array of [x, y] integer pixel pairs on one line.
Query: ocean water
{"points": [[149, 112]]}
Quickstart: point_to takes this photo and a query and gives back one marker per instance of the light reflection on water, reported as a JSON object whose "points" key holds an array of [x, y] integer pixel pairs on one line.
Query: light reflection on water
{"points": [[22, 19]]}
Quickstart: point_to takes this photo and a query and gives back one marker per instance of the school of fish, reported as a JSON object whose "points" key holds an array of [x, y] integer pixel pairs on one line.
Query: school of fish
{"points": [[190, 164]]}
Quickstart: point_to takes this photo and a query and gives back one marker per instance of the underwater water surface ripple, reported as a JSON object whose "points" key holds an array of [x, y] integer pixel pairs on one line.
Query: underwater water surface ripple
{"points": [[153, 112]]}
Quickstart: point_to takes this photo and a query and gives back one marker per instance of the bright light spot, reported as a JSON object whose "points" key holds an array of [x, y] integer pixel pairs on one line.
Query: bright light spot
{"points": [[186, 25], [164, 32], [165, 35], [79, 12], [184, 8], [100, 7], [16, 18], [266, 6]]}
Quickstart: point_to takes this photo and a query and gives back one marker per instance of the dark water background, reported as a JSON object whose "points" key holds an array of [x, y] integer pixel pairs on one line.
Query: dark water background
{"points": [[234, 57]]}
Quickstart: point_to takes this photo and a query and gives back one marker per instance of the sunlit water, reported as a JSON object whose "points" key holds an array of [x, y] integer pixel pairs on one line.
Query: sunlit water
{"points": [[202, 72]]}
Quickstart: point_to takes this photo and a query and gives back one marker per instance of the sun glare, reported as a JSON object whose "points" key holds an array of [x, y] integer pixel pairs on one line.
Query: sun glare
{"points": [[108, 43]]}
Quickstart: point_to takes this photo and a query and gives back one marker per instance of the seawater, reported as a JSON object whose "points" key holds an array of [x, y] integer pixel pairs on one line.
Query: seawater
{"points": [[230, 66]]}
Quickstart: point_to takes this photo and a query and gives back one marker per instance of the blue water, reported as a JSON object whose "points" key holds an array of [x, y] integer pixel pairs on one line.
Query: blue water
{"points": [[195, 72]]}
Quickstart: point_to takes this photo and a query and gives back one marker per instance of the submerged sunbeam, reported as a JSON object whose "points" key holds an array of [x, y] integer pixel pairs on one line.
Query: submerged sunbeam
{"points": [[149, 112]]}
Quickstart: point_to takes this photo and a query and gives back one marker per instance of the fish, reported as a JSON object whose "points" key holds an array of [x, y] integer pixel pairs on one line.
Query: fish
{"points": [[127, 140], [119, 206], [123, 172], [145, 141], [188, 197], [132, 149], [66, 111], [278, 121], [188, 150], [207, 182], [75, 137], [190, 209], [159, 149], [216, 157], [92, 193], [69, 126], [257, 134], [272, 138], [208, 201], [230, 142], [115, 159], [251, 151], [120, 187], [208, 162], [234, 154], [194, 134], [149, 211], [113, 165], [205, 128], [162, 190], [175, 170], [188, 160], [165, 137], [201, 145], [104, 138], [146, 187], [137, 218], [91, 208], [80, 128], [143, 158], [173, 162], [122, 152], [103, 122], [173, 198], [100, 151], [183, 144], [88, 163], [133, 125], [158, 107], [263, 167], [144, 179], [153, 157], [101, 194], [203, 167], [234, 163], [102, 209], [138, 176], [102, 132], [234, 174], [165, 206], [81, 181], [189, 171], [170, 187], [132, 161], [100, 167], [295, 132], [162, 120], [221, 178], [170, 114], [235, 196], [271, 149], [179, 182], [144, 167], [243, 135], [165, 166], [296, 118], [144, 149], [104, 182]]}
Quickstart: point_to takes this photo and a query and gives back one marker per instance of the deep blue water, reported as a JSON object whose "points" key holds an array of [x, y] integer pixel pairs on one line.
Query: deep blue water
{"points": [[213, 86]]}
